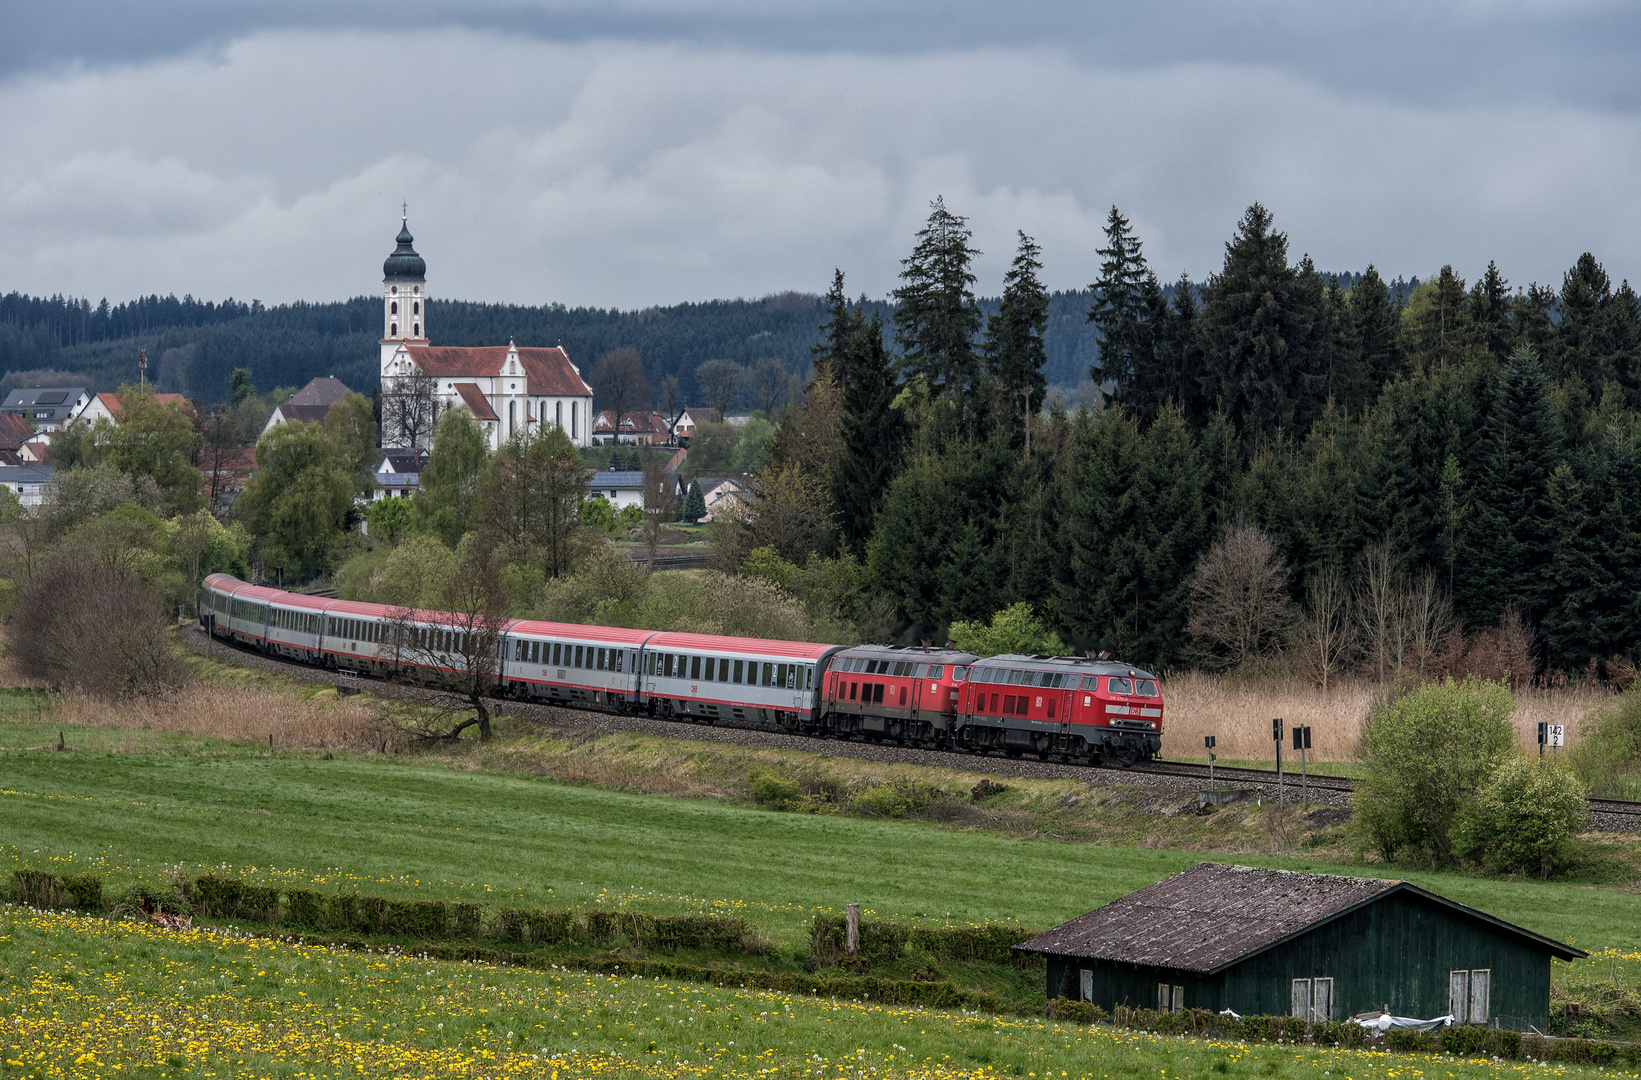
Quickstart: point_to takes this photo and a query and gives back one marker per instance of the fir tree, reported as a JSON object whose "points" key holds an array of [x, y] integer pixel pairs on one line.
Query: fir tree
{"points": [[1374, 319], [871, 428], [1014, 336], [695, 503], [1492, 308], [1258, 333], [1511, 549], [1119, 307], [936, 316]]}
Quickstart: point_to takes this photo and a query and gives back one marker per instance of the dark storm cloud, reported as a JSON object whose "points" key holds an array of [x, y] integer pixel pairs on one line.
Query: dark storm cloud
{"points": [[1578, 53]]}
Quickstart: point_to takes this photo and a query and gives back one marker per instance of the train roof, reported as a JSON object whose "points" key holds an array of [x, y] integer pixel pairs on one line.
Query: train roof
{"points": [[304, 600], [713, 643], [921, 653], [1062, 663], [614, 635]]}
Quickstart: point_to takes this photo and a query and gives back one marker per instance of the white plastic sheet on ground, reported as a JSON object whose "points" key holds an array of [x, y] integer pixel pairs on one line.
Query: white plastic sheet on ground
{"points": [[1405, 1023]]}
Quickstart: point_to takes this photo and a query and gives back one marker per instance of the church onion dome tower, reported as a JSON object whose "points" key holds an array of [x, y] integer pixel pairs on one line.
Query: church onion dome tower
{"points": [[404, 291]]}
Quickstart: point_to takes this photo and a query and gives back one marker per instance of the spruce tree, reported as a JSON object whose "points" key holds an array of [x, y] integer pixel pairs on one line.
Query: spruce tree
{"points": [[1509, 543], [871, 428], [1014, 336], [1374, 320], [1441, 330], [1493, 308], [1259, 324], [1119, 308], [1574, 579], [695, 503], [936, 316]]}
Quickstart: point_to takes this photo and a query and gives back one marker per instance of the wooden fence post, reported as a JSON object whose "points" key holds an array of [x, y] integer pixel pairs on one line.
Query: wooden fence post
{"points": [[851, 932]]}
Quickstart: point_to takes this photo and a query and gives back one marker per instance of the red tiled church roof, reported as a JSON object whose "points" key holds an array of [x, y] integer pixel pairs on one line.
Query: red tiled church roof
{"points": [[474, 397], [548, 371]]}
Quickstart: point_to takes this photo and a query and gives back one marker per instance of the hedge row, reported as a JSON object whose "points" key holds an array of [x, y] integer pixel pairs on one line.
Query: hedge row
{"points": [[865, 988], [1464, 1040], [885, 942], [43, 889]]}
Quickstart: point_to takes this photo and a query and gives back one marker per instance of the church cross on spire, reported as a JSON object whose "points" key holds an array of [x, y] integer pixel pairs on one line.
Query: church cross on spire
{"points": [[404, 211]]}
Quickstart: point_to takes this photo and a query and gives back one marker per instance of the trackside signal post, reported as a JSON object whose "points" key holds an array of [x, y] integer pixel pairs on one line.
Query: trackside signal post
{"points": [[1301, 743], [1551, 735], [1208, 741], [1276, 737]]}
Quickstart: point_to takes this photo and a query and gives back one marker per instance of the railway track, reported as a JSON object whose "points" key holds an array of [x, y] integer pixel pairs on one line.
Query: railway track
{"points": [[1246, 775], [1616, 814]]}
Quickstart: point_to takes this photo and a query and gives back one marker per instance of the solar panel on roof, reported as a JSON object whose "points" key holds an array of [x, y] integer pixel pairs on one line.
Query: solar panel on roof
{"points": [[52, 399]]}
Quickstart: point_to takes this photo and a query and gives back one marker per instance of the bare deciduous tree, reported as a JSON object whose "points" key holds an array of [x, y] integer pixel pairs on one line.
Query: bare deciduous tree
{"points": [[1239, 599], [410, 410], [721, 382], [622, 387], [1329, 630], [769, 382], [90, 623], [457, 650], [672, 404], [658, 506], [1380, 617]]}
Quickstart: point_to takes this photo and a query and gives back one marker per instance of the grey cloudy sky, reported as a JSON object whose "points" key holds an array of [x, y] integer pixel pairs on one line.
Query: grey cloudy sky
{"points": [[652, 151]]}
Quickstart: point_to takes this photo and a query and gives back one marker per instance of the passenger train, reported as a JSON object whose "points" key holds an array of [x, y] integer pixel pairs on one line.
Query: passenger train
{"points": [[1074, 709]]}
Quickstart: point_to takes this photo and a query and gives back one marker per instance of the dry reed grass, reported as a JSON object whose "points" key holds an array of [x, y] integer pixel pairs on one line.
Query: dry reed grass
{"points": [[1238, 713], [323, 721]]}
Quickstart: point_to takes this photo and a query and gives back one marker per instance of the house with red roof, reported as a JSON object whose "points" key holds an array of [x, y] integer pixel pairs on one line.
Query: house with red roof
{"points": [[507, 388], [106, 406]]}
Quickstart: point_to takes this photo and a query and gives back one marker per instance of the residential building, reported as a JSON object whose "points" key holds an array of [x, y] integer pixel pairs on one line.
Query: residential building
{"points": [[309, 404], [638, 428], [27, 482], [400, 474], [47, 408], [225, 471], [622, 487], [15, 434], [722, 492], [507, 388], [106, 406]]}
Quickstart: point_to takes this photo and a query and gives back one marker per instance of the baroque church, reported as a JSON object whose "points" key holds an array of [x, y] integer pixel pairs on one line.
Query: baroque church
{"points": [[505, 387]]}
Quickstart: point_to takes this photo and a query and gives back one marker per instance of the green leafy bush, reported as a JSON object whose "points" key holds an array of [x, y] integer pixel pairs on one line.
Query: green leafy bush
{"points": [[1427, 754], [1076, 1012], [776, 791], [43, 889], [1015, 629], [1524, 818], [896, 799]]}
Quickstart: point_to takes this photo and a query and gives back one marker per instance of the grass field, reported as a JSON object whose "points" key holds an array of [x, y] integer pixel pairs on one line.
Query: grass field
{"points": [[83, 997], [406, 828]]}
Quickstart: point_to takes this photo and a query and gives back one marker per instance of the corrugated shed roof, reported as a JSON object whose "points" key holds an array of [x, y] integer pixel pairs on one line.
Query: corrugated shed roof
{"points": [[1206, 917], [1213, 915]]}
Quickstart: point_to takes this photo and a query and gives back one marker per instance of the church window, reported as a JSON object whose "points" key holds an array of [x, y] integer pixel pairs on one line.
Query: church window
{"points": [[394, 290], [558, 413], [393, 308], [416, 308], [574, 412], [416, 330], [393, 328], [512, 416], [418, 290]]}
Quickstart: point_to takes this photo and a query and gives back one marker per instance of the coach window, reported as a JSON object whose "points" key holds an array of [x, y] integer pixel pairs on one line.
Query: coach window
{"points": [[695, 667], [737, 675], [712, 666], [577, 663]]}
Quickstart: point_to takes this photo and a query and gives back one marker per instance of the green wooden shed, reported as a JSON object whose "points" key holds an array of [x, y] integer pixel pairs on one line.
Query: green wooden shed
{"points": [[1324, 946]]}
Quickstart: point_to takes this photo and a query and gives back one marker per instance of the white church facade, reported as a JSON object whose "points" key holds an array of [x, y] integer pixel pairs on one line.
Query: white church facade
{"points": [[507, 388]]}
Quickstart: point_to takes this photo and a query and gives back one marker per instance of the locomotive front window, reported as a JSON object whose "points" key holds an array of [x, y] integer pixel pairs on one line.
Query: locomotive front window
{"points": [[958, 672], [1115, 685], [1145, 687]]}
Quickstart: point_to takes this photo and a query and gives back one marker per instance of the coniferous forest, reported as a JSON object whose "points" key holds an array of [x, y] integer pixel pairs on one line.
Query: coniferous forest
{"points": [[1284, 463]]}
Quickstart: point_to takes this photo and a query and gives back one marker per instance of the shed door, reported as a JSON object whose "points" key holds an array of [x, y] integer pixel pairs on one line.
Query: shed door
{"points": [[1088, 985], [1480, 983], [1458, 995], [1301, 998], [1322, 999]]}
